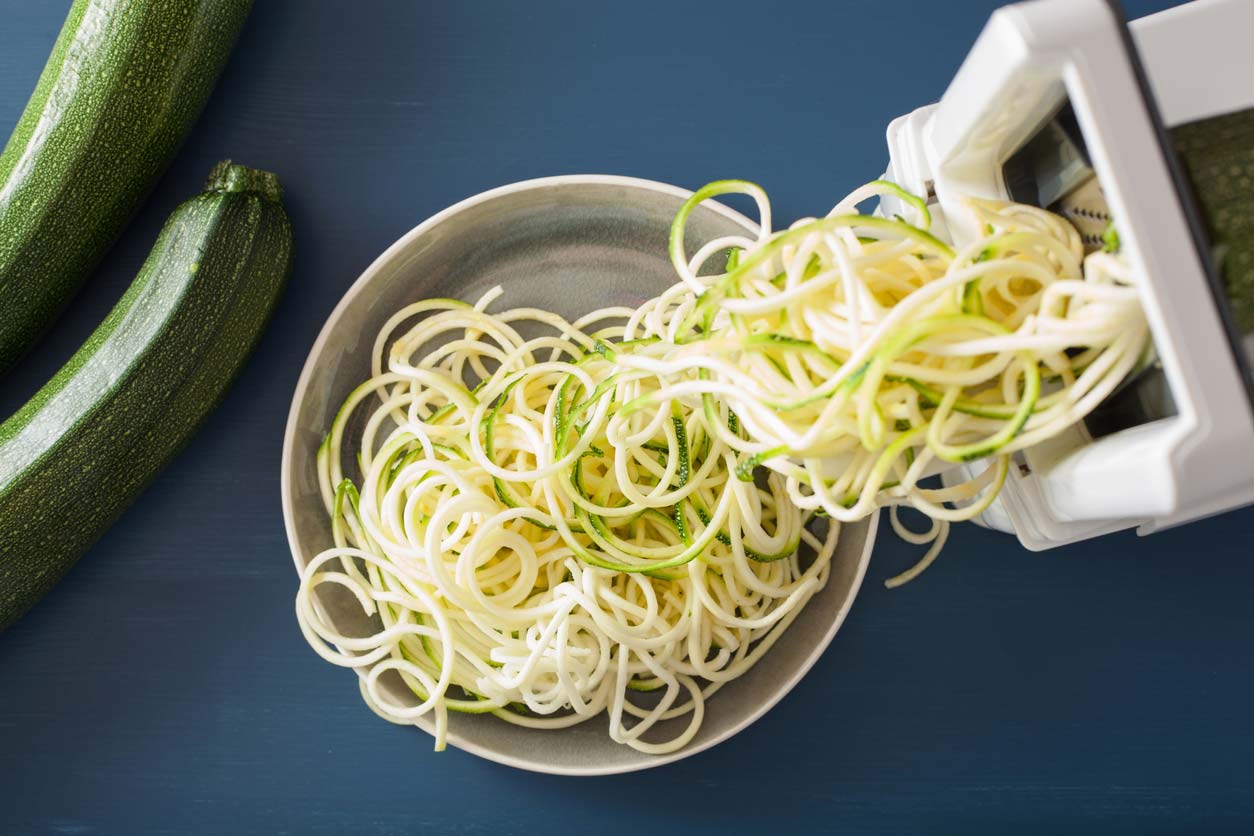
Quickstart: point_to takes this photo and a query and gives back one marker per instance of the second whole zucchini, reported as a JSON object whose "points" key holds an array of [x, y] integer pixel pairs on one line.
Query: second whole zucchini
{"points": [[124, 83], [84, 447]]}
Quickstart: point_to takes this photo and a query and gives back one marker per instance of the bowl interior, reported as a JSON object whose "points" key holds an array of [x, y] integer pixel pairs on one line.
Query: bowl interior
{"points": [[567, 244]]}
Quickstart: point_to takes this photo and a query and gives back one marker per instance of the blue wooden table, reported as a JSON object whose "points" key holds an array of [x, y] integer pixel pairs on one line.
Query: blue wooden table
{"points": [[163, 687]]}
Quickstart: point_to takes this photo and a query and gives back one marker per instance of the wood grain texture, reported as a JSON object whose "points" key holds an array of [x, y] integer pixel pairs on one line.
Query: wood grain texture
{"points": [[163, 687]]}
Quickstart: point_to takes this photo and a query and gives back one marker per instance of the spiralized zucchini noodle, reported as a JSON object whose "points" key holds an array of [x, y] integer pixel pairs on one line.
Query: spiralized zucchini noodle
{"points": [[551, 520]]}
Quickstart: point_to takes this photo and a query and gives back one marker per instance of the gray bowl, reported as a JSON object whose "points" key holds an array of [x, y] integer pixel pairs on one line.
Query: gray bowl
{"points": [[568, 244]]}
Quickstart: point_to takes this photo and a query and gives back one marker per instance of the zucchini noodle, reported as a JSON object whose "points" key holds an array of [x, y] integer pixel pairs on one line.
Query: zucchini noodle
{"points": [[550, 520]]}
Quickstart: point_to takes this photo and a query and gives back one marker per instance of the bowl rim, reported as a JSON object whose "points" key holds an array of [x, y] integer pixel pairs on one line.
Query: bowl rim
{"points": [[302, 386]]}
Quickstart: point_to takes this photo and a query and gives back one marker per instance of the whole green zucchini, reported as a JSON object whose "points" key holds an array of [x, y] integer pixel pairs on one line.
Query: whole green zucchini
{"points": [[125, 81], [80, 451]]}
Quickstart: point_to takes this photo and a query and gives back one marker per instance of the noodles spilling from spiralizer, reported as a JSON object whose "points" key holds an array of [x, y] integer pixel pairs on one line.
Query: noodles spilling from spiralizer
{"points": [[551, 520]]}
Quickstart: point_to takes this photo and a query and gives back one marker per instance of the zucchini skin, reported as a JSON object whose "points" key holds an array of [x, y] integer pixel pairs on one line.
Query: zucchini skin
{"points": [[124, 83], [84, 447]]}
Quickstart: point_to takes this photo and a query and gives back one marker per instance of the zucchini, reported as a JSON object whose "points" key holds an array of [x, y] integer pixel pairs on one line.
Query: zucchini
{"points": [[83, 448], [125, 81]]}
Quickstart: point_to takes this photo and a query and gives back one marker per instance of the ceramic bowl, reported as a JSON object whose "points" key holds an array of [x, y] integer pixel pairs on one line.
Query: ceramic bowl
{"points": [[569, 244]]}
